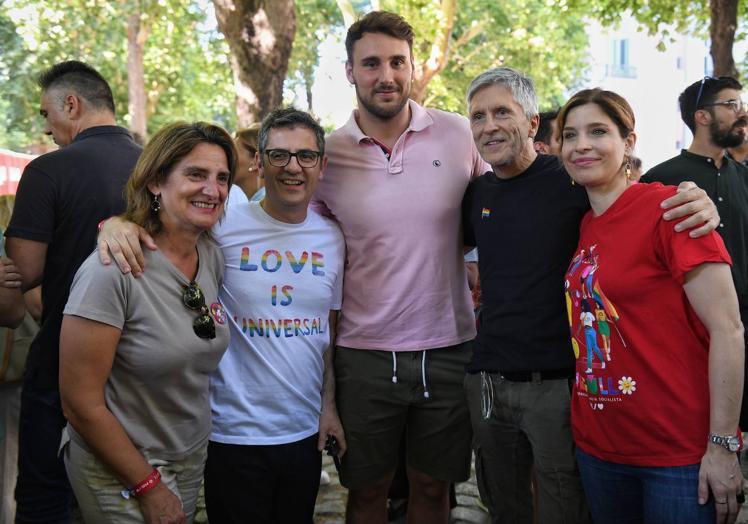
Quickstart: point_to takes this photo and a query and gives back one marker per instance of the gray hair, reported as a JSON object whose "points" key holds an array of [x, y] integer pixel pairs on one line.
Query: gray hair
{"points": [[521, 87]]}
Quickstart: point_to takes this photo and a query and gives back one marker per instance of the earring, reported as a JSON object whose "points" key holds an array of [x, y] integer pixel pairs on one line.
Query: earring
{"points": [[156, 204], [628, 169], [572, 181]]}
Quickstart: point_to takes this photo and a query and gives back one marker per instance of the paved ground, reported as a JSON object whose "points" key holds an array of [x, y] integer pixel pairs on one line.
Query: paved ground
{"points": [[331, 500]]}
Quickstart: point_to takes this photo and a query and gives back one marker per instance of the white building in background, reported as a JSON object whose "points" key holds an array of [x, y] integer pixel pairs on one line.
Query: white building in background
{"points": [[627, 61]]}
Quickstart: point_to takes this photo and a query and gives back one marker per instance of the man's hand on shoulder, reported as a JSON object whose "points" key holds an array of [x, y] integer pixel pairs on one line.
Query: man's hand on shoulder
{"points": [[122, 239], [692, 202]]}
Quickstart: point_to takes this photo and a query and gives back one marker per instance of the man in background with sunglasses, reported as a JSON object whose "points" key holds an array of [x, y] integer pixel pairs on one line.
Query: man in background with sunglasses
{"points": [[713, 110]]}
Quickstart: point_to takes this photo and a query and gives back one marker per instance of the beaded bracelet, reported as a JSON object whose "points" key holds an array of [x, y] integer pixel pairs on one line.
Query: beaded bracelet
{"points": [[150, 482]]}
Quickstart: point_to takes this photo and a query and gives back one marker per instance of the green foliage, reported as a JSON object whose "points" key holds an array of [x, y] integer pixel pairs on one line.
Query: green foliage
{"points": [[17, 110], [316, 20], [187, 70], [661, 18], [542, 38], [187, 75]]}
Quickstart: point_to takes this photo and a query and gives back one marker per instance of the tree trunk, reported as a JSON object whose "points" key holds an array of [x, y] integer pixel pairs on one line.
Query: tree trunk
{"points": [[722, 27], [308, 83], [137, 34], [260, 36], [439, 52]]}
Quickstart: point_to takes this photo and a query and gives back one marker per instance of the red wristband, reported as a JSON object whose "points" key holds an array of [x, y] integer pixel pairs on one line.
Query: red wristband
{"points": [[101, 224], [150, 482]]}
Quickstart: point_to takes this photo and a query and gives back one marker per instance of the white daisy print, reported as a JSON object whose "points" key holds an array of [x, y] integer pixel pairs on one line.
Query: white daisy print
{"points": [[627, 385]]}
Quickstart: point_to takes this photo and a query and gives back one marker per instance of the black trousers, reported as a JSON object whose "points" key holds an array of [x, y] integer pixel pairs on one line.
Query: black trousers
{"points": [[43, 493], [262, 484]]}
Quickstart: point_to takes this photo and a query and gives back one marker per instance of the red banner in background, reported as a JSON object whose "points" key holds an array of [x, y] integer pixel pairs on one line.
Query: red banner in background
{"points": [[11, 169]]}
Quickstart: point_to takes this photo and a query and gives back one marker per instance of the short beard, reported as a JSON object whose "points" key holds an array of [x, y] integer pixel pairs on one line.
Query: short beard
{"points": [[380, 113], [729, 138]]}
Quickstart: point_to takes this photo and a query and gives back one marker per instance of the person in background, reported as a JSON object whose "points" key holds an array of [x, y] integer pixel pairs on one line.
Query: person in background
{"points": [[546, 139], [636, 168], [51, 232], [248, 183], [713, 110], [14, 347], [656, 423], [136, 354], [739, 153]]}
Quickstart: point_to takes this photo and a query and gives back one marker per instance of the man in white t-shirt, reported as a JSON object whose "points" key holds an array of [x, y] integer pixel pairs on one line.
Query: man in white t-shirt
{"points": [[273, 395], [282, 291]]}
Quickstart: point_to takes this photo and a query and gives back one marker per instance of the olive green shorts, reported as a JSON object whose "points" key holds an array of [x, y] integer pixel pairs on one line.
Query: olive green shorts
{"points": [[380, 401]]}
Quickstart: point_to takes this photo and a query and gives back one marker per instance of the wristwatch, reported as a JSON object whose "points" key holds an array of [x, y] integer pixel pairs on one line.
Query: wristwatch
{"points": [[730, 442]]}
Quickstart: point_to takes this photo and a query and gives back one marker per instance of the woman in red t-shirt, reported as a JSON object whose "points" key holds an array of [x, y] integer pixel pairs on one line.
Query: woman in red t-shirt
{"points": [[655, 420]]}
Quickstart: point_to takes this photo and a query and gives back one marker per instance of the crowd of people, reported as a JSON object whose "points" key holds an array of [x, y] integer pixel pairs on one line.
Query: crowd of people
{"points": [[252, 302]]}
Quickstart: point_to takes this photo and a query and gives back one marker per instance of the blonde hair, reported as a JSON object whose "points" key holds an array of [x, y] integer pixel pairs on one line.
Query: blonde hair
{"points": [[6, 210]]}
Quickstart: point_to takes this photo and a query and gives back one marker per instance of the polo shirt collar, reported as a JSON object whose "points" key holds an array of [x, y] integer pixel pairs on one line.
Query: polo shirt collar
{"points": [[419, 120], [101, 130]]}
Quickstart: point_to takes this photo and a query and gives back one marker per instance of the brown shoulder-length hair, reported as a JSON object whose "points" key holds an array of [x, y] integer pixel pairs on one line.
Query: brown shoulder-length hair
{"points": [[166, 149], [612, 104]]}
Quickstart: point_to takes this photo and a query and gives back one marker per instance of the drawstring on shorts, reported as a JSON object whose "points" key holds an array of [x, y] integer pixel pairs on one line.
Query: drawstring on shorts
{"points": [[426, 393], [423, 376]]}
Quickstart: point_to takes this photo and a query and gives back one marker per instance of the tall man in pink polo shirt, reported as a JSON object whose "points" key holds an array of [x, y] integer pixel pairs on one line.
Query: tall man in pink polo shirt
{"points": [[394, 182]]}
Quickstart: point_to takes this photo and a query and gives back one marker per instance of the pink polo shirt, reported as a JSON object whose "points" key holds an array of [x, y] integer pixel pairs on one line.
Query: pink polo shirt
{"points": [[405, 287]]}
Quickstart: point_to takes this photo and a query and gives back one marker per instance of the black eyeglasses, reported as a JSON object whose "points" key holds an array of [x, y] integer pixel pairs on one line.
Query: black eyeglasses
{"points": [[737, 106], [203, 326], [282, 157]]}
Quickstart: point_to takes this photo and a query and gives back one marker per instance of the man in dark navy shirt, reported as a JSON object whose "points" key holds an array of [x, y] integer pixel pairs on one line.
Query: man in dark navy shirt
{"points": [[61, 197]]}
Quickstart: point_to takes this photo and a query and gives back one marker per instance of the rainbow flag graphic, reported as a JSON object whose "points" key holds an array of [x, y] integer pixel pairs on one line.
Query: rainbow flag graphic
{"points": [[485, 213]]}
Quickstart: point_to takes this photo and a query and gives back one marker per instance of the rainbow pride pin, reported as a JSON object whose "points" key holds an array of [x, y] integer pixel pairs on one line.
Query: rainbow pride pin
{"points": [[485, 213]]}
